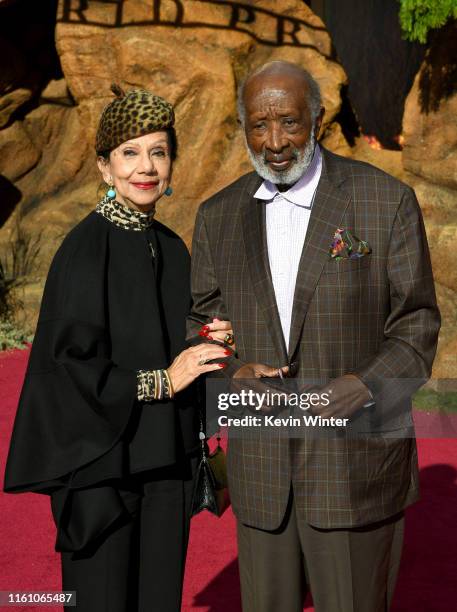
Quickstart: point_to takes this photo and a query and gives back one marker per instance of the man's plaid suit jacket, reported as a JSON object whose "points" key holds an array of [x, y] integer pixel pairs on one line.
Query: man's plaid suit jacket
{"points": [[375, 316]]}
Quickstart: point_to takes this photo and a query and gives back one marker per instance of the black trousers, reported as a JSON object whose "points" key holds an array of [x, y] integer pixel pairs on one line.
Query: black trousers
{"points": [[139, 565]]}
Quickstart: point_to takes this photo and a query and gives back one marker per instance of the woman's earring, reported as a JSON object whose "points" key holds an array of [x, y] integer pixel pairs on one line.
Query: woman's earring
{"points": [[111, 193], [168, 191]]}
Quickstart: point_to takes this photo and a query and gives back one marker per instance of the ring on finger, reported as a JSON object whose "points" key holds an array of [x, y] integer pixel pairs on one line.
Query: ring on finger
{"points": [[229, 339], [202, 361]]}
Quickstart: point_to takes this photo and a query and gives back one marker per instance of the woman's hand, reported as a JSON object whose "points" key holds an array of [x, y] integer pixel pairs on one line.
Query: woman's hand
{"points": [[218, 330], [189, 364]]}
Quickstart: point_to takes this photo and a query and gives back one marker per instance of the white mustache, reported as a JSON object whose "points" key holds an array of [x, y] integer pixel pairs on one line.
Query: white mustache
{"points": [[294, 156], [292, 174]]}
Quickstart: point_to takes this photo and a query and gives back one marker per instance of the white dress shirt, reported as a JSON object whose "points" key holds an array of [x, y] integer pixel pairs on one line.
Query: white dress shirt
{"points": [[287, 218]]}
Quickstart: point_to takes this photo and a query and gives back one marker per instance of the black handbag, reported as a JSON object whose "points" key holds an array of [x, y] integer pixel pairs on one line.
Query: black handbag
{"points": [[210, 485], [218, 464]]}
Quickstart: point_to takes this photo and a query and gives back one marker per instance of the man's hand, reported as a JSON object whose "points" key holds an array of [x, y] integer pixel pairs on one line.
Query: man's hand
{"points": [[347, 395], [254, 377], [259, 370]]}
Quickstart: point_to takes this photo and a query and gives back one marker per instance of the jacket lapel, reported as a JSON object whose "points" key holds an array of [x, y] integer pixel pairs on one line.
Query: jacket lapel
{"points": [[255, 243], [327, 212]]}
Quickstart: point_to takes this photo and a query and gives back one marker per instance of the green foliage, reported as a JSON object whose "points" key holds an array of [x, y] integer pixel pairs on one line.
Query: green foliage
{"points": [[4, 291], [16, 265], [11, 337], [417, 17], [427, 399], [7, 283]]}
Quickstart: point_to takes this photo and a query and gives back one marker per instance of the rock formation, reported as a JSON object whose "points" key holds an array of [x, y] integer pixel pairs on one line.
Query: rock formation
{"points": [[430, 160], [194, 53]]}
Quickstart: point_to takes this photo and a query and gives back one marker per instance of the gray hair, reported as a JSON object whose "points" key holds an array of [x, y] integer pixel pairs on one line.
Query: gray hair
{"points": [[313, 93]]}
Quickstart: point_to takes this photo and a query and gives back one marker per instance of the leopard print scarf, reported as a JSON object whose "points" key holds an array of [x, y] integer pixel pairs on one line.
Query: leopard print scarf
{"points": [[124, 217]]}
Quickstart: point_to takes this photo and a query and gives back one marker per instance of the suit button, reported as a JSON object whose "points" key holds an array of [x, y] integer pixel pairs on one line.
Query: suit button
{"points": [[293, 368]]}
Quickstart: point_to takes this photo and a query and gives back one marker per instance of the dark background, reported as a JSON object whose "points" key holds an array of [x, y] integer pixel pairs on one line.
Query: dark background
{"points": [[380, 65]]}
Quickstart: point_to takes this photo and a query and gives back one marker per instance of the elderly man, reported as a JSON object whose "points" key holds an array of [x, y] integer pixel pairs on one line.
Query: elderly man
{"points": [[322, 265]]}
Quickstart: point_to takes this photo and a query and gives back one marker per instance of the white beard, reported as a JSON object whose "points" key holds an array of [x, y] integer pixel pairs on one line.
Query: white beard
{"points": [[291, 175]]}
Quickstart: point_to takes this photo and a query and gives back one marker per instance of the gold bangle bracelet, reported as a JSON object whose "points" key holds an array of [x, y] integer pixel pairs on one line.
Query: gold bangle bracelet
{"points": [[171, 391], [156, 385]]}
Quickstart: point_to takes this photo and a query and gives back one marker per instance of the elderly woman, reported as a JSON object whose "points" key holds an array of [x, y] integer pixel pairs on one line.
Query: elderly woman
{"points": [[107, 422]]}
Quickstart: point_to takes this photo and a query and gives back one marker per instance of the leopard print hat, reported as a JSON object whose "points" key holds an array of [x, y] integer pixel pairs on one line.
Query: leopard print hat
{"points": [[129, 115]]}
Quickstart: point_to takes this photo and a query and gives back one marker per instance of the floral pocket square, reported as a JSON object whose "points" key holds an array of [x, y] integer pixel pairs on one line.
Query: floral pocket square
{"points": [[347, 246]]}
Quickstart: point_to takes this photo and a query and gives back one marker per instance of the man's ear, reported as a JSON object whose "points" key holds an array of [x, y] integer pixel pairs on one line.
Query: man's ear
{"points": [[318, 122]]}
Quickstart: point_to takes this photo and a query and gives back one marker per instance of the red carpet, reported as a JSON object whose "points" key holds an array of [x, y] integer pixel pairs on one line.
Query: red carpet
{"points": [[428, 577]]}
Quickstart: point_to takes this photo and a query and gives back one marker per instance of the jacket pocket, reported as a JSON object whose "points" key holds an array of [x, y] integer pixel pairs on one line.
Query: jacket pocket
{"points": [[344, 265]]}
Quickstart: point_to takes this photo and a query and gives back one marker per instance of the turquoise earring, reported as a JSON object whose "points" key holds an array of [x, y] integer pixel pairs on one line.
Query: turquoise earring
{"points": [[168, 191], [111, 193]]}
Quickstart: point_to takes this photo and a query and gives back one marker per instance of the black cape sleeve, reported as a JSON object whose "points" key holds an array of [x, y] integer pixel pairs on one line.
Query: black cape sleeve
{"points": [[75, 402]]}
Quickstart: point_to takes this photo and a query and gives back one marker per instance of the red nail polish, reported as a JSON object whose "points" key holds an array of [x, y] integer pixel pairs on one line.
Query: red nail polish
{"points": [[222, 365], [203, 334], [209, 337], [205, 328], [228, 352]]}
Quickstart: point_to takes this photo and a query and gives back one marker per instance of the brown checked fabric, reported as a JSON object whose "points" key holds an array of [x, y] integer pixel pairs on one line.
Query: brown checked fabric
{"points": [[375, 316]]}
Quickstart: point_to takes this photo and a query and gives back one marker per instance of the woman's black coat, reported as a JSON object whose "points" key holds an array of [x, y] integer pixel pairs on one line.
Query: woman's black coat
{"points": [[109, 308]]}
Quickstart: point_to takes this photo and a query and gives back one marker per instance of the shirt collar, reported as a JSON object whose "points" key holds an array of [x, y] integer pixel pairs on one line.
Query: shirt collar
{"points": [[299, 192]]}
